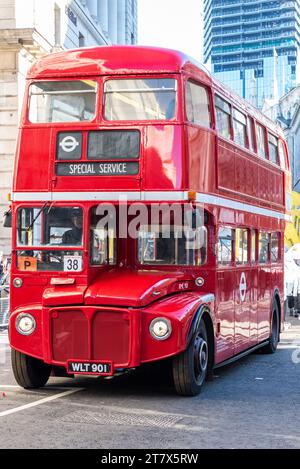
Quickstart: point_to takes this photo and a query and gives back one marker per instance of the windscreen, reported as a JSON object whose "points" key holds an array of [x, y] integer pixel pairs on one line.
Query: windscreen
{"points": [[51, 228]]}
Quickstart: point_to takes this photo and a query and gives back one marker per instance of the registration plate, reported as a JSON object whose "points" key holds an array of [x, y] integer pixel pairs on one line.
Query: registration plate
{"points": [[90, 368]]}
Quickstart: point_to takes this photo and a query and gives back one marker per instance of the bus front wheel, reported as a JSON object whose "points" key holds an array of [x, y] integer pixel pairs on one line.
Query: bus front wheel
{"points": [[190, 368], [29, 372]]}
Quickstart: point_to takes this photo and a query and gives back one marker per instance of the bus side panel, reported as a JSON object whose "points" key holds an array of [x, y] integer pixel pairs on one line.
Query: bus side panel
{"points": [[264, 299], [253, 306], [163, 160], [201, 151], [225, 315], [226, 166]]}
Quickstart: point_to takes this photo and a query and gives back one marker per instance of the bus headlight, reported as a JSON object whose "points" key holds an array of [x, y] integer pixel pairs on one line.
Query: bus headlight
{"points": [[160, 328], [17, 282], [25, 324]]}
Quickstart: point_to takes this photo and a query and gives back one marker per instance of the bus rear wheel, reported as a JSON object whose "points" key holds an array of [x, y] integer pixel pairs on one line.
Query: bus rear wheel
{"points": [[190, 368], [272, 345], [29, 372]]}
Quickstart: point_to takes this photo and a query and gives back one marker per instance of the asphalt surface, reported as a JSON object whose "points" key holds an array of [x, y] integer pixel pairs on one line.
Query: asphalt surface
{"points": [[254, 403]]}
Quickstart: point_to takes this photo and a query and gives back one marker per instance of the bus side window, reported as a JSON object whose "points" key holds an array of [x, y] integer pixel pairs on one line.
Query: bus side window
{"points": [[241, 246], [197, 105], [273, 148], [250, 134], [264, 246], [225, 246], [223, 117], [239, 127], [282, 158], [253, 246], [261, 141], [275, 237]]}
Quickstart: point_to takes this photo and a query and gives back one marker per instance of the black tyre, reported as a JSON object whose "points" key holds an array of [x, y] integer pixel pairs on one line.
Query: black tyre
{"points": [[272, 345], [190, 368], [29, 372]]}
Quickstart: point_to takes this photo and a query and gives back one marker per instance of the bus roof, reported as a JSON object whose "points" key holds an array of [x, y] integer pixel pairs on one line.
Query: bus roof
{"points": [[104, 60]]}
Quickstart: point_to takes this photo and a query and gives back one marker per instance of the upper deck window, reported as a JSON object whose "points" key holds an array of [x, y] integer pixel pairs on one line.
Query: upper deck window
{"points": [[223, 117], [240, 127], [62, 101], [197, 104], [273, 148], [261, 141], [144, 99], [282, 155], [250, 133]]}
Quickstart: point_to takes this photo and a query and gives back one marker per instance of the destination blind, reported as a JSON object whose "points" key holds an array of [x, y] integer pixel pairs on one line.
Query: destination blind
{"points": [[97, 169]]}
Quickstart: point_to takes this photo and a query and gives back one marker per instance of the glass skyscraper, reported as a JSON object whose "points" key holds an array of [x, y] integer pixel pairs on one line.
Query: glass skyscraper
{"points": [[253, 46]]}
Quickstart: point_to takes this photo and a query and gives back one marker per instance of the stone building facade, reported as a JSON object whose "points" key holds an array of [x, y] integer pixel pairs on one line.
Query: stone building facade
{"points": [[32, 28]]}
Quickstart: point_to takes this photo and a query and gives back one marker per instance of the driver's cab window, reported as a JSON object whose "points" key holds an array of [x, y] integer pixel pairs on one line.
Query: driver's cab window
{"points": [[50, 226]]}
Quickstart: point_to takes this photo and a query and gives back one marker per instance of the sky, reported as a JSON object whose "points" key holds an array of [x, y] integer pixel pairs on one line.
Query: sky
{"points": [[175, 24]]}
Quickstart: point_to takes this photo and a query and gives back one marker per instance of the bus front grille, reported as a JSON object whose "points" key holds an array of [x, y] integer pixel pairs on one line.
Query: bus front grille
{"points": [[99, 336]]}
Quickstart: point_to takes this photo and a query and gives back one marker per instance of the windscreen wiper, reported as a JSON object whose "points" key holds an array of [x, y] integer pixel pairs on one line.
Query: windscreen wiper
{"points": [[39, 213]]}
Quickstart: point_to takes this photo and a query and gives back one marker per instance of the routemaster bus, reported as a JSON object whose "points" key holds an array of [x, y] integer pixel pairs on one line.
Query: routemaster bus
{"points": [[135, 130]]}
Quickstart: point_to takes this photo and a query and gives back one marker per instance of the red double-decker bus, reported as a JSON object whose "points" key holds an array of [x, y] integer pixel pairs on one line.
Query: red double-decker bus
{"points": [[109, 134]]}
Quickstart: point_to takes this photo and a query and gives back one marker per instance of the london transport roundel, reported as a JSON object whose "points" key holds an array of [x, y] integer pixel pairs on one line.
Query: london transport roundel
{"points": [[69, 143], [243, 287]]}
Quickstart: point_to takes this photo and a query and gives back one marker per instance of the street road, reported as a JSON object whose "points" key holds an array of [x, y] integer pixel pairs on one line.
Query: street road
{"points": [[254, 403]]}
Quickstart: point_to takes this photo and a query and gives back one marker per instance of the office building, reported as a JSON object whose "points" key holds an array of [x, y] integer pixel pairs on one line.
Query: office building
{"points": [[253, 46]]}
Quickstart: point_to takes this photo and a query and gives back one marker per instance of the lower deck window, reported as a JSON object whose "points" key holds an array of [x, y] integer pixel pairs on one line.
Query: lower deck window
{"points": [[225, 246], [102, 240], [275, 237], [165, 246], [264, 246], [241, 246]]}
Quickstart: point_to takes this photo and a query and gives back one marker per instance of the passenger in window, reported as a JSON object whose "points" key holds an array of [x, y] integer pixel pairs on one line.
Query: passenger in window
{"points": [[165, 249], [73, 237]]}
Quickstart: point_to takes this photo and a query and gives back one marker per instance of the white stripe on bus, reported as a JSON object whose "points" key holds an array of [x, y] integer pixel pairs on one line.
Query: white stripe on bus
{"points": [[150, 196]]}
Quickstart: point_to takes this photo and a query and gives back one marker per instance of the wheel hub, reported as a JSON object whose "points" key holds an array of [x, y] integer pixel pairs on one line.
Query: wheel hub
{"points": [[200, 357], [203, 355]]}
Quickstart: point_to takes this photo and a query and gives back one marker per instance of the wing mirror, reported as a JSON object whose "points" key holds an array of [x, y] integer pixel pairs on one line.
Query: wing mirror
{"points": [[7, 219]]}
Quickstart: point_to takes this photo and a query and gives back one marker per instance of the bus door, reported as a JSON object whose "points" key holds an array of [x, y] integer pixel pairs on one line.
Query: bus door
{"points": [[243, 291], [225, 294], [242, 309], [264, 279]]}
